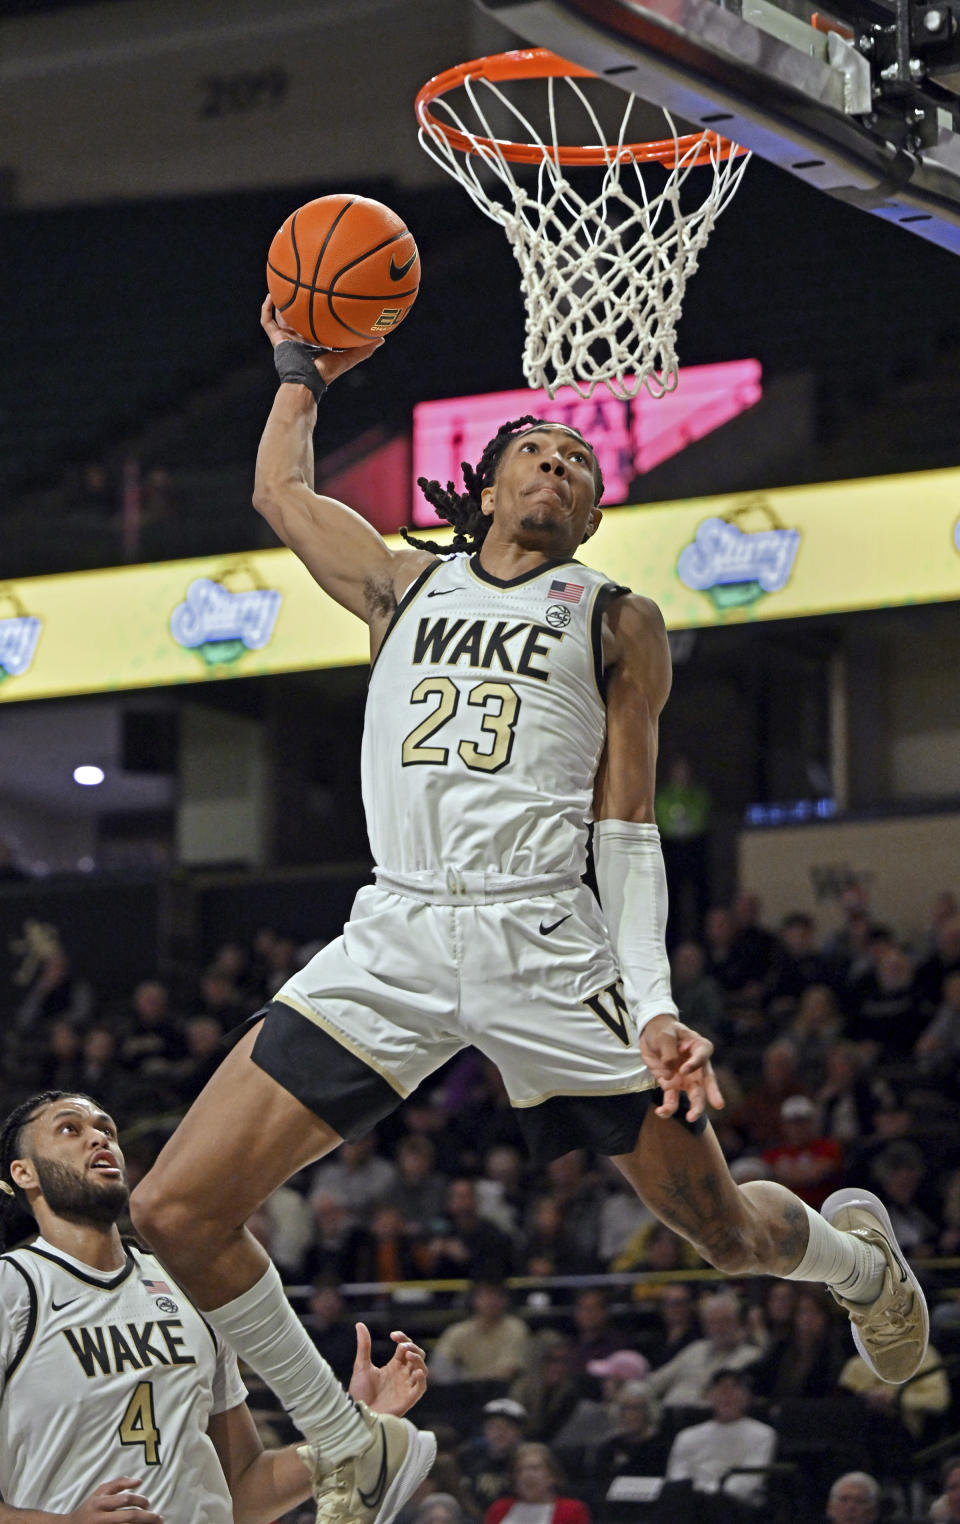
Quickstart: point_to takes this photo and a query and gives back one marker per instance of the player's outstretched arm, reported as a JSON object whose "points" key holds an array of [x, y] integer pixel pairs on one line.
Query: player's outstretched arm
{"points": [[113, 1503], [264, 1484], [629, 861], [342, 552]]}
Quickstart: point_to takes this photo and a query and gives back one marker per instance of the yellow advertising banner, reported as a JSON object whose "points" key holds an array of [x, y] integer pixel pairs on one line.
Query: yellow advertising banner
{"points": [[711, 561], [245, 615], [792, 551]]}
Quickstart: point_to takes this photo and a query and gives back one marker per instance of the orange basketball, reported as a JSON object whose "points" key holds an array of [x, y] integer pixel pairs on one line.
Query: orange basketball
{"points": [[342, 270]]}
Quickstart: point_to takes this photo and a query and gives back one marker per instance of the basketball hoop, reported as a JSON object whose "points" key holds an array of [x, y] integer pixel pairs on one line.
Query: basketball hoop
{"points": [[603, 279]]}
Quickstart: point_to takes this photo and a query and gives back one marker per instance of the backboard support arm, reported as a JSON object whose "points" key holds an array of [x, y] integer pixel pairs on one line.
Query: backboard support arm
{"points": [[867, 118]]}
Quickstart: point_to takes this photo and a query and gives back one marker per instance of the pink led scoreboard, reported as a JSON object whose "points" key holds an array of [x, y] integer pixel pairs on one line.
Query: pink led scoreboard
{"points": [[630, 438]]}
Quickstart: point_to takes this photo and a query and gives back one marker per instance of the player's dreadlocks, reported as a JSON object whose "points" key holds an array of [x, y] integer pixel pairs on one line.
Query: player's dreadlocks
{"points": [[462, 509], [16, 1219]]}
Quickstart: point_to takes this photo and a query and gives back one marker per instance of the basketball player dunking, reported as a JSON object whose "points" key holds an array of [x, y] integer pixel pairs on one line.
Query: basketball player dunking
{"points": [[515, 694], [118, 1403]]}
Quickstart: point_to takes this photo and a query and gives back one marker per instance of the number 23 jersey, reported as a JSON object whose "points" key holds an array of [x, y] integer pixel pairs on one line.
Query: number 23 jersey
{"points": [[107, 1376], [485, 721]]}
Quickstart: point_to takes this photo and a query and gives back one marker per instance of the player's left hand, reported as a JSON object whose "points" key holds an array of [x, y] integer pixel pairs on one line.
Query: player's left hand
{"points": [[679, 1060], [390, 1388], [331, 363]]}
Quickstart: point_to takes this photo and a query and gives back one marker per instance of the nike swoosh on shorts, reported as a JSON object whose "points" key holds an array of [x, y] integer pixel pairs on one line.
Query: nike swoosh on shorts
{"points": [[546, 930]]}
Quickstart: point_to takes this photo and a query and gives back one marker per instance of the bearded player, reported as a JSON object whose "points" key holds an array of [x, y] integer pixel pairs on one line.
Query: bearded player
{"points": [[118, 1403]]}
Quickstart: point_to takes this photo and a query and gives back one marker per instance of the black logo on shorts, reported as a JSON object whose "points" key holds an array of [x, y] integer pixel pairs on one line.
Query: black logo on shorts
{"points": [[611, 1007], [558, 615], [546, 930]]}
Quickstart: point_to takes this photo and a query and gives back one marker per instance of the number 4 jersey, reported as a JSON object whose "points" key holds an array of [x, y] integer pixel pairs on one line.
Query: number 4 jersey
{"points": [[107, 1376], [486, 722]]}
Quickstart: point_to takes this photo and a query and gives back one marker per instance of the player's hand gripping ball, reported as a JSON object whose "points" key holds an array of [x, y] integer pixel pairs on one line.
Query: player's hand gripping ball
{"points": [[343, 270]]}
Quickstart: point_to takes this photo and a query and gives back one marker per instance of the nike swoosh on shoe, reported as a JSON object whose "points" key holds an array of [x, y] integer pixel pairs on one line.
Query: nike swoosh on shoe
{"points": [[891, 1332], [374, 1497]]}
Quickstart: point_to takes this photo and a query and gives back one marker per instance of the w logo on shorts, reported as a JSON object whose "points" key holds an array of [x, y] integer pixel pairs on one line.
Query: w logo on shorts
{"points": [[611, 1007]]}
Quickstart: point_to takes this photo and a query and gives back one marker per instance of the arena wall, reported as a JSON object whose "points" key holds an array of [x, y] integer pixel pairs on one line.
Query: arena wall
{"points": [[902, 863], [153, 100]]}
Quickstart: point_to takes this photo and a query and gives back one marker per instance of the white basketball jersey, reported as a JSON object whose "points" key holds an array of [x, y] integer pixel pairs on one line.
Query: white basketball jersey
{"points": [[108, 1376], [485, 721]]}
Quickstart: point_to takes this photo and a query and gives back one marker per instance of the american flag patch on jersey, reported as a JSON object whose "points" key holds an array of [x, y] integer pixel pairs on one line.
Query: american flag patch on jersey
{"points": [[156, 1288], [567, 592]]}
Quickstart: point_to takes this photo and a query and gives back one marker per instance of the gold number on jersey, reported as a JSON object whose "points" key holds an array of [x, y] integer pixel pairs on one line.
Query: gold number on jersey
{"points": [[138, 1425], [496, 722], [445, 689], [501, 705]]}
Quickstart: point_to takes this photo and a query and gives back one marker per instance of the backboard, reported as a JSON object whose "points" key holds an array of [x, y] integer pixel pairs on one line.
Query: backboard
{"points": [[863, 103]]}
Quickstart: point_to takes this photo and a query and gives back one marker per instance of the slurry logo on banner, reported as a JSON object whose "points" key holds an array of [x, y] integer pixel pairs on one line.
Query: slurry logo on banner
{"points": [[19, 635], [734, 564], [221, 623]]}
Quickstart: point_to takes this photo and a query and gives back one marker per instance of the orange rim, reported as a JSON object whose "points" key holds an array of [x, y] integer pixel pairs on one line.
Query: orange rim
{"points": [[540, 63]]}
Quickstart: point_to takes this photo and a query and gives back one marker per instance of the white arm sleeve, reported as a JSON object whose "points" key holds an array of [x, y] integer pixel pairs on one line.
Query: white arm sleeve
{"points": [[633, 893]]}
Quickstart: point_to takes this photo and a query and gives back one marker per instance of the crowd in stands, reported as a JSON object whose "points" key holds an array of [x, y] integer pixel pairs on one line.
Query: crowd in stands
{"points": [[578, 1348]]}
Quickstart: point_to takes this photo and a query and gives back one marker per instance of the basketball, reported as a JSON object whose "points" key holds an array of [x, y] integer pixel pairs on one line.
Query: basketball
{"points": [[343, 270]]}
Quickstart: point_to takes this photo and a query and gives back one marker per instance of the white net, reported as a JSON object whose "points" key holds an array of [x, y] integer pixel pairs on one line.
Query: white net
{"points": [[603, 275]]}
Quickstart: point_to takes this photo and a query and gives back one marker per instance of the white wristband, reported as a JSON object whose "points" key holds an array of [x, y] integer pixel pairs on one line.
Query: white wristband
{"points": [[633, 893]]}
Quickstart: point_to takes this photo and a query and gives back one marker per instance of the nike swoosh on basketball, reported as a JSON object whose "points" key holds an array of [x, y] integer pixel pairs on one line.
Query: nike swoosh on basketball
{"points": [[441, 592], [374, 1497], [397, 272], [546, 930], [58, 1306]]}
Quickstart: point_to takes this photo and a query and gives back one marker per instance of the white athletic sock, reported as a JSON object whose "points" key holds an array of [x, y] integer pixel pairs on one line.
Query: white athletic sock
{"points": [[265, 1332], [841, 1260]]}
